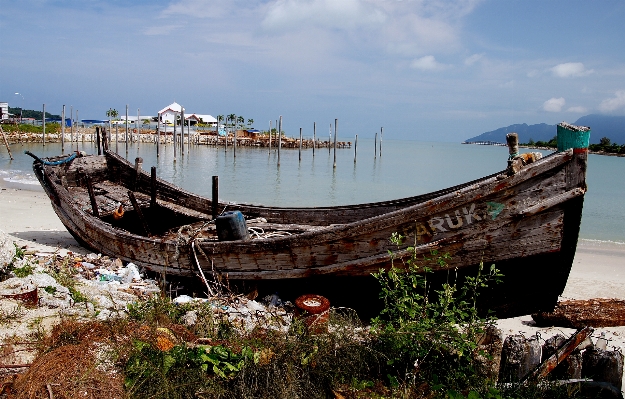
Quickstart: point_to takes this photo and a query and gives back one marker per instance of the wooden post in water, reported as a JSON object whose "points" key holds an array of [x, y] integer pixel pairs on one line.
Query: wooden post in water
{"points": [[63, 130], [182, 131], [381, 133], [126, 130], [279, 139], [110, 132], [234, 149], [117, 138], [226, 137], [336, 127], [77, 131], [43, 123], [314, 137], [355, 147], [138, 128], [270, 137], [105, 139], [6, 143], [71, 126], [158, 134], [174, 137], [330, 140], [97, 135], [215, 201], [300, 144], [153, 187], [375, 146]]}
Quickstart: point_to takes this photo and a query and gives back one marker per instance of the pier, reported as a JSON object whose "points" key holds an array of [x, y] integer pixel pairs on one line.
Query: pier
{"points": [[195, 137]]}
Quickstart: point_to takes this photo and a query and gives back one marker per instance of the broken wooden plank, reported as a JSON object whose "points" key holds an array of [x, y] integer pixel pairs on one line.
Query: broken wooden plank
{"points": [[558, 357], [137, 208]]}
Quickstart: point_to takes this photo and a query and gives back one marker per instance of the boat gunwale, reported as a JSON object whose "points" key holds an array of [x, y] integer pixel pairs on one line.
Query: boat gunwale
{"points": [[337, 232]]}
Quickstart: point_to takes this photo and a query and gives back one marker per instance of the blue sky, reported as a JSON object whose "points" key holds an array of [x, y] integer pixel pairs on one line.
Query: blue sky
{"points": [[425, 70]]}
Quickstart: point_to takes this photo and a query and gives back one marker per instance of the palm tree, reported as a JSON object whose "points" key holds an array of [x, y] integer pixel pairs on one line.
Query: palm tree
{"points": [[250, 122], [219, 118], [112, 113], [241, 120], [232, 118]]}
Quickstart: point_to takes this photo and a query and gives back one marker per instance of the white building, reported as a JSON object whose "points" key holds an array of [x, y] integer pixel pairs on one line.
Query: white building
{"points": [[4, 111], [172, 111]]}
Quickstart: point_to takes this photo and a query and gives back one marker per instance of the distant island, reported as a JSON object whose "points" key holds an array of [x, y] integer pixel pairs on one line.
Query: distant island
{"points": [[602, 127]]}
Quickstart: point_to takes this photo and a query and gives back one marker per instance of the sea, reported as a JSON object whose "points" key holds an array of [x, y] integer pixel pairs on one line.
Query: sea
{"points": [[367, 173]]}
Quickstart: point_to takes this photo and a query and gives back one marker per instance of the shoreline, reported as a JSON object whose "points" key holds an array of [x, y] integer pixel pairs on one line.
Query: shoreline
{"points": [[610, 154]]}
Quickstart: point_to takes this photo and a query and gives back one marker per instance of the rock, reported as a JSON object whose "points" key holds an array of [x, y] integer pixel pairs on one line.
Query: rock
{"points": [[604, 366], [7, 250], [518, 357]]}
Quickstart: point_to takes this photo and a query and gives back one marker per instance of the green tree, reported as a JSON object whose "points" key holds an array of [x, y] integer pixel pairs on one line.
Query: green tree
{"points": [[219, 119], [112, 113], [240, 121], [250, 122], [604, 141]]}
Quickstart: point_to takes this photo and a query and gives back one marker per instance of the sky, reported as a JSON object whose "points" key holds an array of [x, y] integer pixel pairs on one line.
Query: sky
{"points": [[426, 70]]}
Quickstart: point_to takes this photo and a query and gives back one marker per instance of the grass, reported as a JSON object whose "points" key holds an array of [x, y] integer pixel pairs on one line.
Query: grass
{"points": [[422, 345]]}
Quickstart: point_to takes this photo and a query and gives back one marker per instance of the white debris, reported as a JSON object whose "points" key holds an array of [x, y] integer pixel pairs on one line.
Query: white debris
{"points": [[130, 273]]}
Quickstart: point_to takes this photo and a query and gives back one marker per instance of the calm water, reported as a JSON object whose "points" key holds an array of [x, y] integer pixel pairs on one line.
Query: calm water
{"points": [[405, 168]]}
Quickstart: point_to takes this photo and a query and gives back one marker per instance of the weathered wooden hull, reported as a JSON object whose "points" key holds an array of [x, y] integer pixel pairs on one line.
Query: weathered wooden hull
{"points": [[527, 224]]}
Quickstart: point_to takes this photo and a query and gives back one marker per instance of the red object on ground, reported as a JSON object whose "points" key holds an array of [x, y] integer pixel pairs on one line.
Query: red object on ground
{"points": [[314, 309]]}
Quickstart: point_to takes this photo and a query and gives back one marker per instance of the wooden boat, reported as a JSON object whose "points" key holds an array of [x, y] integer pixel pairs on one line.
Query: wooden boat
{"points": [[524, 219]]}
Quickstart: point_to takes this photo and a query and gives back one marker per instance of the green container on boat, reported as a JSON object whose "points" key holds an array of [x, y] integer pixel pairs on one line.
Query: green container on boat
{"points": [[571, 136]]}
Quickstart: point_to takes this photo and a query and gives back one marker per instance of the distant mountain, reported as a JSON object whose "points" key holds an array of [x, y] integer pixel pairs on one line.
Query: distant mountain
{"points": [[612, 127]]}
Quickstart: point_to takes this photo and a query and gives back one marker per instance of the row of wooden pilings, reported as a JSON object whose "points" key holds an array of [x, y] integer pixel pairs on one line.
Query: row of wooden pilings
{"points": [[178, 141]]}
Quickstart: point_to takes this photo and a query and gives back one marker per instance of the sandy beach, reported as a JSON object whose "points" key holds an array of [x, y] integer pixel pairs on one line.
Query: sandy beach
{"points": [[598, 270]]}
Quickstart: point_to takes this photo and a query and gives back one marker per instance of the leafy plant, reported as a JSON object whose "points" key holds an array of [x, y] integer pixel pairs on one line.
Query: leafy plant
{"points": [[23, 271], [429, 331]]}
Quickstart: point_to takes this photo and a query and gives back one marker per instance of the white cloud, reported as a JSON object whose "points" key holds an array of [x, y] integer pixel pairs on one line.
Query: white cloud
{"points": [[578, 109], [160, 30], [427, 63], [473, 59], [343, 14], [507, 85], [570, 69], [204, 8], [612, 104], [554, 104]]}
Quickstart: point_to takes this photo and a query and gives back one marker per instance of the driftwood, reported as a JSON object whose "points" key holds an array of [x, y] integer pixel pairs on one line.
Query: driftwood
{"points": [[551, 362], [580, 313]]}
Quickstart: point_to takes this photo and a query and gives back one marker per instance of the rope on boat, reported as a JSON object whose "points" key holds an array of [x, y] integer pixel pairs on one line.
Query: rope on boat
{"points": [[181, 240], [218, 285], [259, 233], [197, 264], [53, 163]]}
